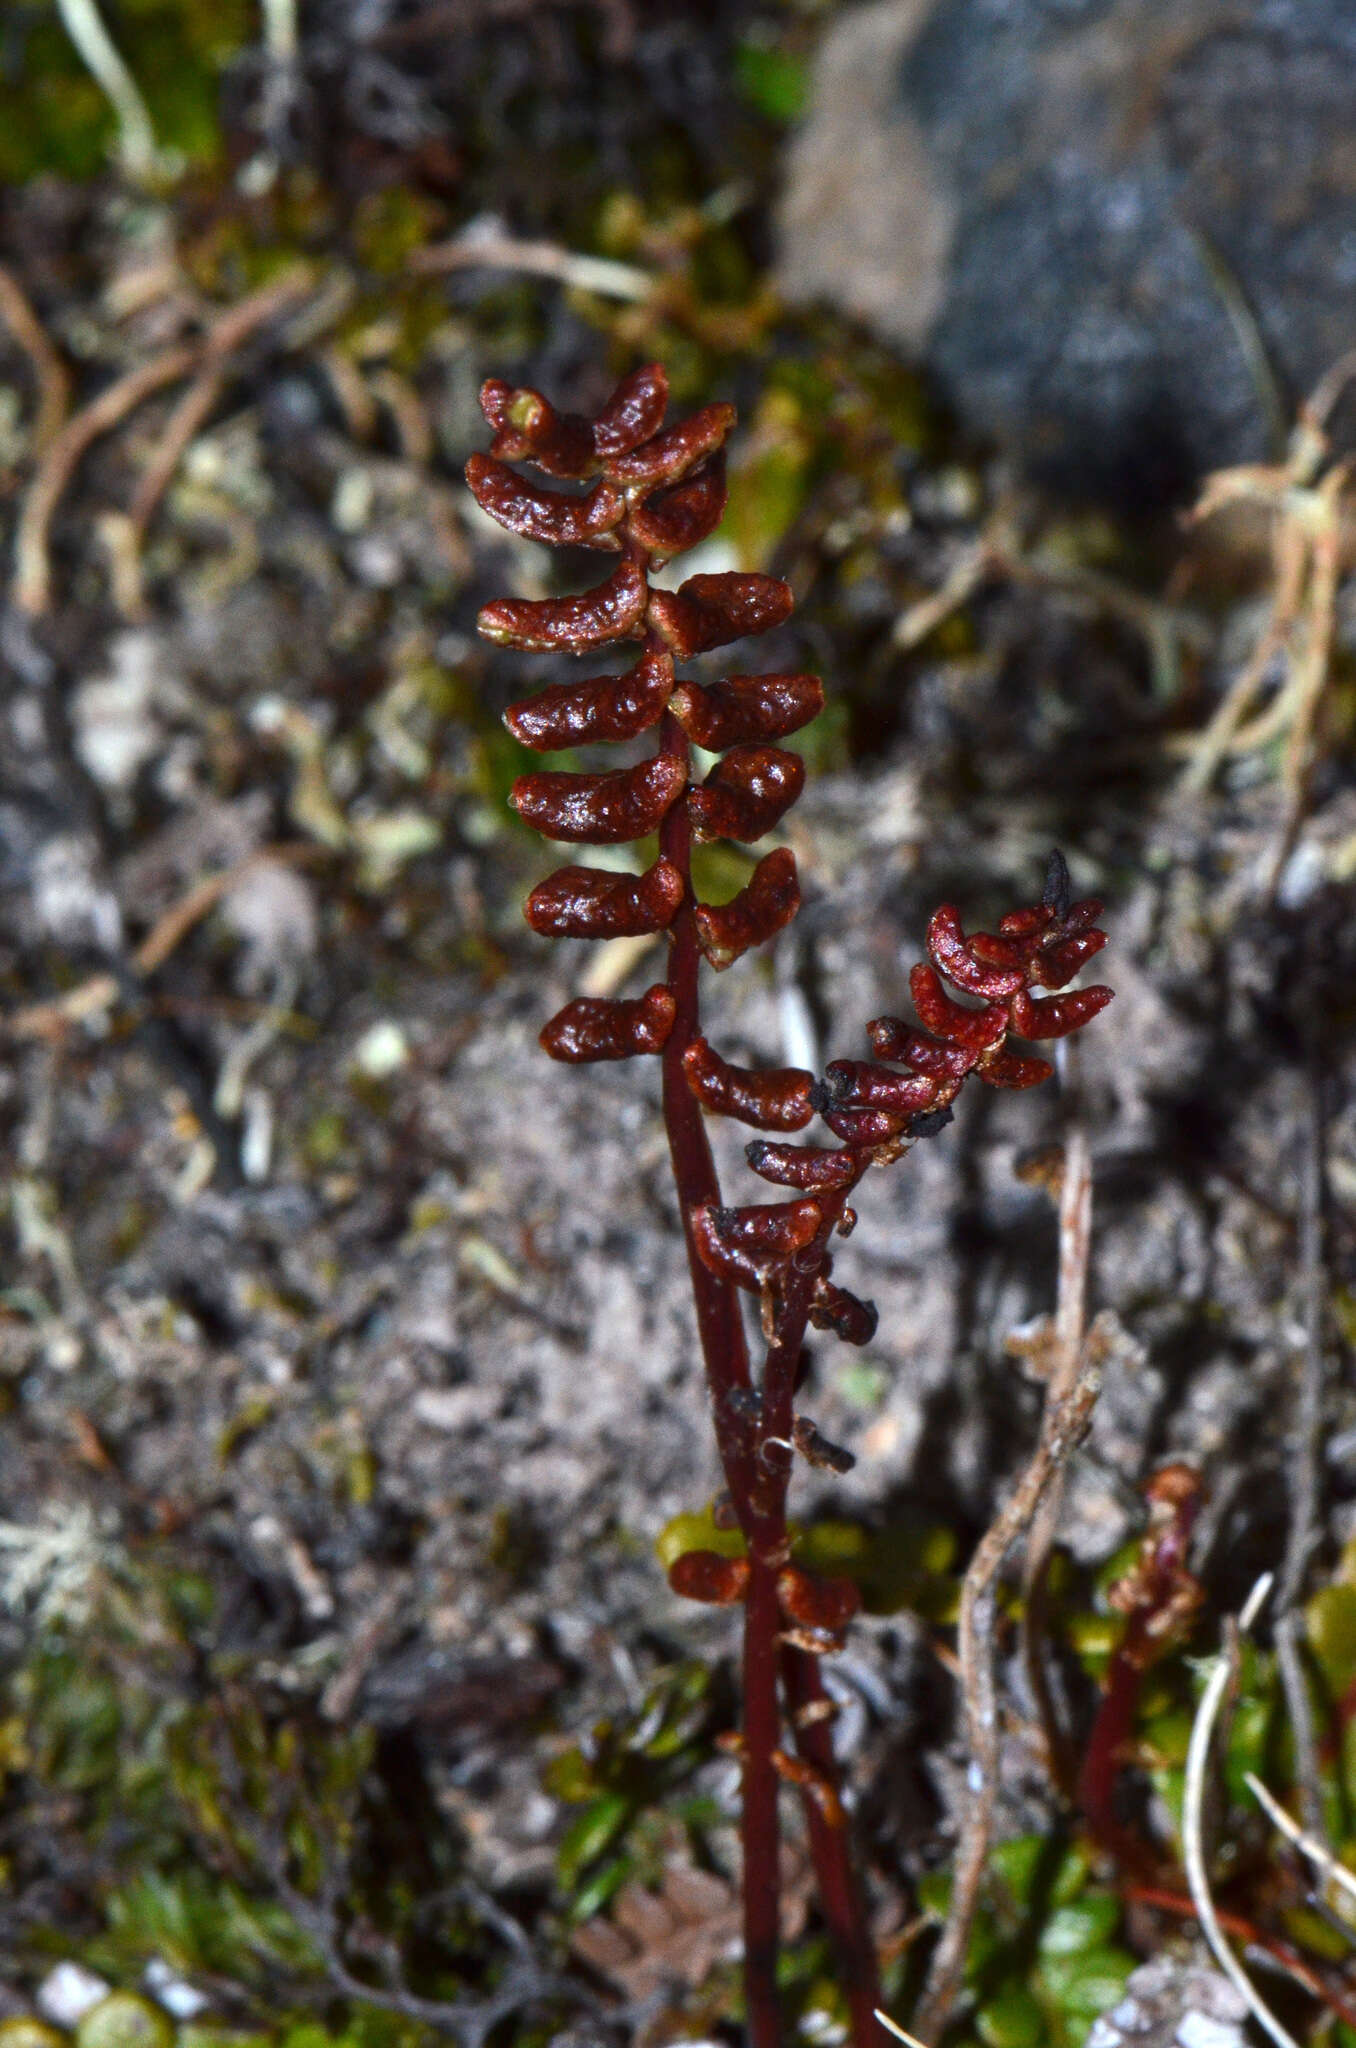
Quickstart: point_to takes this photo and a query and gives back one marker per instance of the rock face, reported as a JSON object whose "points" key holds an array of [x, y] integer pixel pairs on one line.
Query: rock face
{"points": [[1097, 219]]}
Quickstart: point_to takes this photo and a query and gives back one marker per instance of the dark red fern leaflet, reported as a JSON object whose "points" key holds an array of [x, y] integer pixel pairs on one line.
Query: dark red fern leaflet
{"points": [[650, 491], [653, 492], [604, 708]]}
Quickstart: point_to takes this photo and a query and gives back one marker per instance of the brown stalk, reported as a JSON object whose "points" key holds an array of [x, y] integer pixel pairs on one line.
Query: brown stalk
{"points": [[1062, 1428], [31, 589], [1075, 1236], [49, 372], [226, 334]]}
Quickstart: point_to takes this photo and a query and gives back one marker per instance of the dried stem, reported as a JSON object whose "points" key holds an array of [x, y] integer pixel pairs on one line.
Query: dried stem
{"points": [[724, 1348], [1310, 1845], [488, 248], [811, 1714], [281, 40], [1283, 1954], [1159, 1598], [31, 589], [136, 137], [1062, 1428], [840, 1895], [88, 998], [48, 369], [1075, 1237], [190, 415]]}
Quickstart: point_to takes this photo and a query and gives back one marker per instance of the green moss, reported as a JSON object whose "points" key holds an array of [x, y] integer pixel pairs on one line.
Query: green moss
{"points": [[517, 1544], [54, 117], [123, 2020], [1330, 1622], [326, 1138], [198, 1921], [768, 485], [29, 2033], [774, 80], [1012, 2018], [390, 225]]}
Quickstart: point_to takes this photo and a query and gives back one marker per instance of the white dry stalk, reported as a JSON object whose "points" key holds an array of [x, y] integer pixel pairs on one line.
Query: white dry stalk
{"points": [[974, 567], [136, 137], [249, 1048], [484, 244], [280, 31], [909, 2040], [1193, 1835], [1308, 1845]]}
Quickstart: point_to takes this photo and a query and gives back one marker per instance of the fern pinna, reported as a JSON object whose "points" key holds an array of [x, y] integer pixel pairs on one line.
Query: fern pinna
{"points": [[651, 493]]}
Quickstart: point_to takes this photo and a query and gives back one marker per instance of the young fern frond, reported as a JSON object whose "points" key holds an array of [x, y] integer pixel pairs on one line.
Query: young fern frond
{"points": [[653, 492]]}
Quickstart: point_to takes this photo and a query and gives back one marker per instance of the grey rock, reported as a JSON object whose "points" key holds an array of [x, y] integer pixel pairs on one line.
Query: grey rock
{"points": [[1086, 214], [1169, 2003]]}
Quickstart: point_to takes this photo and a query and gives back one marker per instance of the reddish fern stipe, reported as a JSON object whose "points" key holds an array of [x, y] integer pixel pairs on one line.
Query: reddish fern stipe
{"points": [[650, 491]]}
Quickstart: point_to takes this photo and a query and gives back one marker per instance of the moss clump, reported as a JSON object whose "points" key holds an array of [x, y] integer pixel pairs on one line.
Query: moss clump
{"points": [[122, 2020], [53, 116]]}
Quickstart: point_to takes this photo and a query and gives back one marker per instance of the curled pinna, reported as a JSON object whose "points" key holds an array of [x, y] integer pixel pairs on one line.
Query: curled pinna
{"points": [[644, 492]]}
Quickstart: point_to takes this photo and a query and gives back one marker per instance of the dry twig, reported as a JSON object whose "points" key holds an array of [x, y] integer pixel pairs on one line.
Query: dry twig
{"points": [[136, 137], [1062, 1429], [974, 568], [49, 371], [1308, 1844], [1070, 1332], [88, 998], [226, 334], [490, 249], [31, 588], [1000, 554], [909, 2040], [1303, 497]]}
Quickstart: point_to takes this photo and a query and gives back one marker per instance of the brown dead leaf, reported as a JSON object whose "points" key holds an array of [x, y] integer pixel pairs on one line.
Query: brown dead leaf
{"points": [[672, 1939]]}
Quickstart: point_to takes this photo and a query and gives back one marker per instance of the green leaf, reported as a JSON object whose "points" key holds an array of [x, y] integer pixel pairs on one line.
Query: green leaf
{"points": [[1017, 1863], [1088, 1923], [1012, 2019], [1248, 1741], [772, 80], [1027, 1862], [842, 1548], [696, 1532], [23, 2032], [861, 1384], [1330, 1622], [605, 1883], [571, 1777], [1083, 1986], [595, 1830]]}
